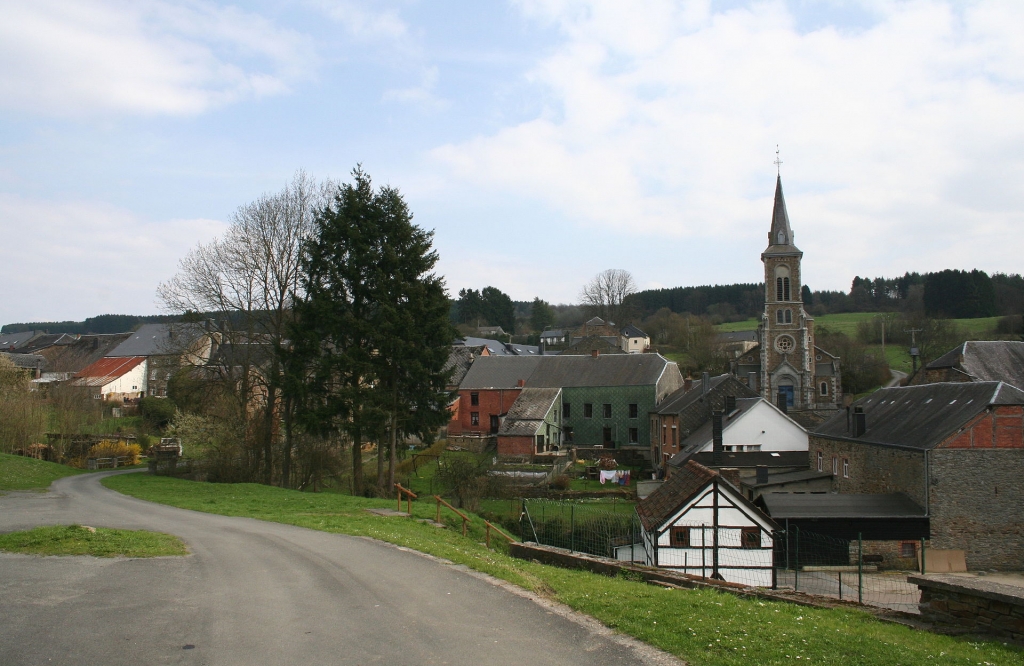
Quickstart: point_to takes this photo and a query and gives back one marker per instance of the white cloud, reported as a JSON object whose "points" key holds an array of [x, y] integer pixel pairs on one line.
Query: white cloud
{"points": [[901, 140], [422, 95], [149, 56], [80, 259], [363, 23]]}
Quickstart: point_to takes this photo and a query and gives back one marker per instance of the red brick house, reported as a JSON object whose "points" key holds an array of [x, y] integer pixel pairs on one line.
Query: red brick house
{"points": [[487, 392]]}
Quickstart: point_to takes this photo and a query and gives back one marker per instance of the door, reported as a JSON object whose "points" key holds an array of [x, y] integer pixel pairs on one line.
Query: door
{"points": [[788, 392]]}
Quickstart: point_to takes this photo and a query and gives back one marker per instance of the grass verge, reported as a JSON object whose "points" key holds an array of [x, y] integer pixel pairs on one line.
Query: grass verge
{"points": [[700, 626], [21, 473], [96, 541]]}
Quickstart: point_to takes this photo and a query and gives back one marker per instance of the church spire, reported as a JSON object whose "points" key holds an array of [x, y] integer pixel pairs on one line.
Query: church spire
{"points": [[780, 238]]}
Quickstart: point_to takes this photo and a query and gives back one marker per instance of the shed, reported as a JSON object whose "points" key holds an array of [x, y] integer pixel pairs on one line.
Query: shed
{"points": [[872, 517]]}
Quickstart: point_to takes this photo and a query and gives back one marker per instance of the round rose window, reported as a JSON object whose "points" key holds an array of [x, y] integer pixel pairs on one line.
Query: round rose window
{"points": [[784, 344]]}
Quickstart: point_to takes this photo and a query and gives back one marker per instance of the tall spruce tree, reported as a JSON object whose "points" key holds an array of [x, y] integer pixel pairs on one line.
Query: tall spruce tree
{"points": [[372, 334]]}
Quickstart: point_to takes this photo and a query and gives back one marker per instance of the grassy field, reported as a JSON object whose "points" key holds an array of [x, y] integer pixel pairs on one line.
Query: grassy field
{"points": [[20, 473], [95, 541], [846, 322], [702, 627]]}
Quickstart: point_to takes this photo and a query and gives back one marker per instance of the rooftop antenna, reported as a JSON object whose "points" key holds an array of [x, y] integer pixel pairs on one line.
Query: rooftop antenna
{"points": [[778, 161]]}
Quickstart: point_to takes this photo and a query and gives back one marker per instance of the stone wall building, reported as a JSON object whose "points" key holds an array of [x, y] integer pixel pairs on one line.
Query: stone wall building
{"points": [[957, 449], [977, 361]]}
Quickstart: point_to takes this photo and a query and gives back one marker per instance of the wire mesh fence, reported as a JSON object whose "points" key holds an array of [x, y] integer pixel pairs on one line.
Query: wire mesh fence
{"points": [[797, 560]]}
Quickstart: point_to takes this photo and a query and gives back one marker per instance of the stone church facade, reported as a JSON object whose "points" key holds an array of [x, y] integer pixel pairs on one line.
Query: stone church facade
{"points": [[786, 365]]}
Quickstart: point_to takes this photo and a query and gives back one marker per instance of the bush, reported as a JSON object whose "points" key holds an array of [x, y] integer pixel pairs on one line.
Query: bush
{"points": [[561, 482], [111, 449], [158, 411]]}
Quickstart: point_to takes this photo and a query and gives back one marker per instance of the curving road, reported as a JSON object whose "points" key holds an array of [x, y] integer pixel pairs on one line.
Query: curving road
{"points": [[254, 592]]}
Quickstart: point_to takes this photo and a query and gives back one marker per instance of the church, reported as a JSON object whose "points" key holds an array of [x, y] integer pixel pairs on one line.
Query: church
{"points": [[786, 367]]}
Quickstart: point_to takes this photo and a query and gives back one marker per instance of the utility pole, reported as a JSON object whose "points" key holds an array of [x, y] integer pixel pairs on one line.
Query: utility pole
{"points": [[914, 351]]}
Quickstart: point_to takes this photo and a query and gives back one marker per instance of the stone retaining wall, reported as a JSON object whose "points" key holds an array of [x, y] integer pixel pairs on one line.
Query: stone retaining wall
{"points": [[972, 605]]}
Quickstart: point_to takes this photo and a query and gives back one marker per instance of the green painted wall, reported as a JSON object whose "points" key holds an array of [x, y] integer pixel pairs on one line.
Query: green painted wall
{"points": [[589, 431]]}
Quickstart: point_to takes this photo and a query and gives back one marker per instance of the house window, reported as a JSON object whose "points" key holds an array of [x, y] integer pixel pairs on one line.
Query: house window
{"points": [[634, 410], [568, 434], [566, 411], [821, 460], [835, 466], [680, 537], [474, 399], [846, 468], [588, 410], [908, 550], [634, 436], [607, 410], [675, 437], [474, 418], [607, 438], [664, 434], [751, 537], [823, 388]]}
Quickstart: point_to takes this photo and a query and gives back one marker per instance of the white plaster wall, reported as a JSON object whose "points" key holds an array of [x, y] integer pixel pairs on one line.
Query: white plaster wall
{"points": [[765, 426], [135, 377]]}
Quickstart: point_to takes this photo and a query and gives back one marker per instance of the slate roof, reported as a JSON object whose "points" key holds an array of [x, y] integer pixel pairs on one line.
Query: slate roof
{"points": [[737, 336], [25, 361], [671, 495], [631, 331], [496, 348], [459, 360], [682, 399], [9, 341], [986, 361], [568, 370], [496, 372], [777, 478], [747, 458], [528, 411], [553, 333], [920, 417], [780, 223], [84, 351], [826, 505], [159, 340], [47, 340]]}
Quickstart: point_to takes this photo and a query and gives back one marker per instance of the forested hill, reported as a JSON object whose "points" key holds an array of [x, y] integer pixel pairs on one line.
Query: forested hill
{"points": [[109, 323], [948, 293]]}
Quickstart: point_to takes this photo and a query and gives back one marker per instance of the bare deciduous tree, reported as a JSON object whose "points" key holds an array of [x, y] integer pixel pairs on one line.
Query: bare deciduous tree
{"points": [[605, 295], [249, 276]]}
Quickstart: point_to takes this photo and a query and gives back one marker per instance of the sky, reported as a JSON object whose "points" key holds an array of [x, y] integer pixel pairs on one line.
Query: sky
{"points": [[542, 141]]}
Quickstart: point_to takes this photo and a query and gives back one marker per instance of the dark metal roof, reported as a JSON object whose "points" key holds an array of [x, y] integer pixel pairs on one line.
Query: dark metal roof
{"points": [[748, 458], [528, 411], [670, 496], [776, 478], [986, 361], [920, 417], [606, 370], [159, 340], [500, 372], [781, 506], [496, 348]]}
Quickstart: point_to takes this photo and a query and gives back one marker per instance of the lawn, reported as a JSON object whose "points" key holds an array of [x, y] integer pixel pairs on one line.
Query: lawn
{"points": [[21, 473], [702, 627], [95, 541]]}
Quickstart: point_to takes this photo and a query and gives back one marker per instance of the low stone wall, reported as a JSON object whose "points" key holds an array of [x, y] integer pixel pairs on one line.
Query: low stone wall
{"points": [[972, 605]]}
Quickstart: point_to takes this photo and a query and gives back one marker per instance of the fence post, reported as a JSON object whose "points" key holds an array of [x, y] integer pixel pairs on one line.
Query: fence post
{"points": [[703, 550], [840, 586], [860, 568], [572, 528], [922, 556], [796, 559]]}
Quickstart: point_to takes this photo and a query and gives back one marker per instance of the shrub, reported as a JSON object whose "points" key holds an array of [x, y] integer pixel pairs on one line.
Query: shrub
{"points": [[561, 482], [158, 411], [112, 449]]}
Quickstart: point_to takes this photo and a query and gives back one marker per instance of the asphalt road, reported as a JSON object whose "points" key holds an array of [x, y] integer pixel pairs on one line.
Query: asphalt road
{"points": [[254, 592]]}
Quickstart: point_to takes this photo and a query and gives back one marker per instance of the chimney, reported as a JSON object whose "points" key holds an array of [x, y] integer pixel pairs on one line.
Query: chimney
{"points": [[542, 349], [783, 403], [860, 421], [730, 404], [732, 475], [762, 474], [687, 384], [705, 383], [520, 383], [716, 438], [595, 353]]}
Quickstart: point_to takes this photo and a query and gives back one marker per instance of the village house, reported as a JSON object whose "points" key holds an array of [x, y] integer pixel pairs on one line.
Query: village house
{"points": [[486, 394], [118, 379], [635, 341], [533, 425], [955, 449], [700, 524], [977, 361], [166, 348]]}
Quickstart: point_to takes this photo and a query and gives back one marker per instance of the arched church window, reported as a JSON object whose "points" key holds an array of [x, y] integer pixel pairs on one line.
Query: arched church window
{"points": [[779, 317], [789, 316], [782, 283], [823, 388]]}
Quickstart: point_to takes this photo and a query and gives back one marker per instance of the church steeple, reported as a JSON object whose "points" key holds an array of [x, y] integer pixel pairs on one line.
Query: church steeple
{"points": [[780, 238]]}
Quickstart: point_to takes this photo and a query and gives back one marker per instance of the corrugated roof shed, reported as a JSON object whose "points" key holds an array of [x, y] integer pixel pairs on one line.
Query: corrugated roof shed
{"points": [[826, 505], [528, 411], [986, 361], [612, 370], [920, 417], [159, 340], [106, 370], [670, 496]]}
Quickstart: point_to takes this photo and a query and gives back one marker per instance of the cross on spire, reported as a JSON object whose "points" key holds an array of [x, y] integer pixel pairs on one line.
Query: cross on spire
{"points": [[778, 161]]}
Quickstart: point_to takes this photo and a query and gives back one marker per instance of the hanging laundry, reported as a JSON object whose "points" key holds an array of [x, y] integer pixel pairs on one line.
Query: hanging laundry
{"points": [[609, 475]]}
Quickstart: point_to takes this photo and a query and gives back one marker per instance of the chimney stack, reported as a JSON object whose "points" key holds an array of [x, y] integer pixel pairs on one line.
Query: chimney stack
{"points": [[860, 421], [730, 404], [595, 353], [521, 383], [732, 475], [762, 474], [687, 384], [783, 403], [716, 438], [705, 383]]}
